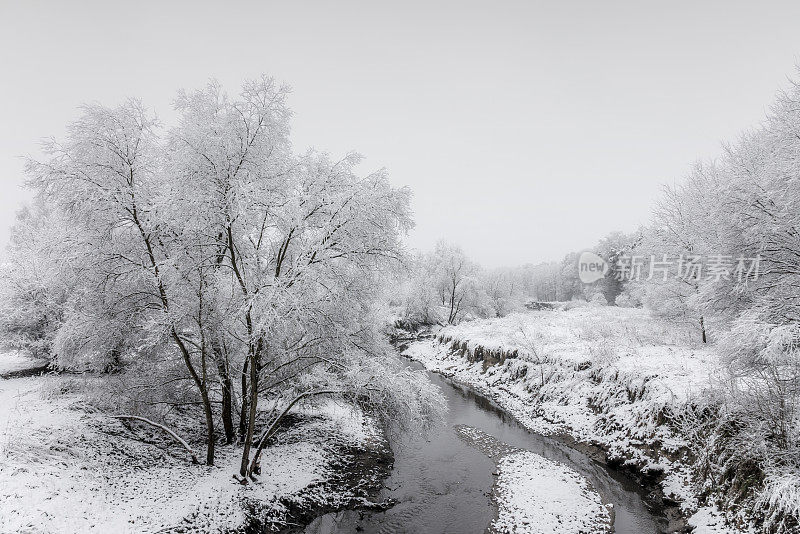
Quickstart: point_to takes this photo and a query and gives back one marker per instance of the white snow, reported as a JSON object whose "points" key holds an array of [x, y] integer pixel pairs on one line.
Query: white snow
{"points": [[66, 469], [706, 520], [16, 361], [347, 420], [605, 375], [538, 496]]}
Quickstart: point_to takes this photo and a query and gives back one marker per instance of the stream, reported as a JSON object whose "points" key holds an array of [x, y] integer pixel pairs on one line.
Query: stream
{"points": [[442, 485]]}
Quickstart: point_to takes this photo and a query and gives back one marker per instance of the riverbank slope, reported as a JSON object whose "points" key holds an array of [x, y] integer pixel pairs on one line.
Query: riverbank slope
{"points": [[614, 379]]}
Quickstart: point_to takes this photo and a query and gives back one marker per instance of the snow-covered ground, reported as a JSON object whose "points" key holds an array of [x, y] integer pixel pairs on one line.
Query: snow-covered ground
{"points": [[535, 495], [538, 496], [605, 375], [65, 468], [16, 361]]}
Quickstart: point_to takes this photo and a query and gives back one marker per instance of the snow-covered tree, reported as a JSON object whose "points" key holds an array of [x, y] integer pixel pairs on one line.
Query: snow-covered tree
{"points": [[455, 279], [33, 289], [740, 216], [502, 290], [214, 247], [297, 243]]}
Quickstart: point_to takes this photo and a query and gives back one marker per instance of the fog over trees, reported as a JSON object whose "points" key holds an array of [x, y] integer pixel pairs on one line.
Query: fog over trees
{"points": [[721, 253], [207, 271], [214, 263]]}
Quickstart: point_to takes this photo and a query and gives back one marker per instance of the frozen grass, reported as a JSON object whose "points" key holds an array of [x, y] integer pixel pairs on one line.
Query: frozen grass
{"points": [[65, 468], [612, 376], [538, 496], [583, 334], [781, 497]]}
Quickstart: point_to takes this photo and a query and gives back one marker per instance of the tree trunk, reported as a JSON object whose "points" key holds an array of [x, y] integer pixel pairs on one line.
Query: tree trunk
{"points": [[227, 410], [251, 416], [450, 317], [703, 329], [210, 446], [243, 411], [202, 386], [274, 425], [221, 359]]}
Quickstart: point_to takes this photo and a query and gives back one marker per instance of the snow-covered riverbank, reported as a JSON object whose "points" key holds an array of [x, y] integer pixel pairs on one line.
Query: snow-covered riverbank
{"points": [[66, 468], [610, 377]]}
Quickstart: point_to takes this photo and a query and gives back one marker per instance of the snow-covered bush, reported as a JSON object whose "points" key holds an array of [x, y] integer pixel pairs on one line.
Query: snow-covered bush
{"points": [[574, 304], [630, 297], [780, 501], [598, 299], [757, 438]]}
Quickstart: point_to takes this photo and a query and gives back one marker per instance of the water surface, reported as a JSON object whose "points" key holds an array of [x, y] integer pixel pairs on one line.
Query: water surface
{"points": [[443, 485]]}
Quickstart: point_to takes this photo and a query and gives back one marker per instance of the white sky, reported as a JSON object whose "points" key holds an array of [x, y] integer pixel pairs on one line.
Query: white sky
{"points": [[525, 129]]}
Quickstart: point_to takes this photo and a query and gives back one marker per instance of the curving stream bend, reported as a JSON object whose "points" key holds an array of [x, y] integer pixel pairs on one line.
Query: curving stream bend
{"points": [[443, 485]]}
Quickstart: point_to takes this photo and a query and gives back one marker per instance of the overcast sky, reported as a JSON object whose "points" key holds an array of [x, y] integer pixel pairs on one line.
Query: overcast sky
{"points": [[525, 129]]}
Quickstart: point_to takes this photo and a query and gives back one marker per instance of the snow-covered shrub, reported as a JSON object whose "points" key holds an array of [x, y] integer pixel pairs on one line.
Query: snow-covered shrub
{"points": [[628, 299], [756, 453], [598, 299], [52, 389], [573, 304], [780, 500]]}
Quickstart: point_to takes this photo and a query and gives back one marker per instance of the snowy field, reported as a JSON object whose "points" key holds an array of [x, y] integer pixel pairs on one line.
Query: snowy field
{"points": [[65, 468], [604, 375]]}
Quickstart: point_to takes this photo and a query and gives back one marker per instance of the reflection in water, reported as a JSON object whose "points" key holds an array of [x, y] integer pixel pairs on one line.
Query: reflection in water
{"points": [[444, 486]]}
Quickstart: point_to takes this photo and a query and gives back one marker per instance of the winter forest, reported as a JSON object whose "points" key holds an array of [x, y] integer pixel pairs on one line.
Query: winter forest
{"points": [[207, 328]]}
